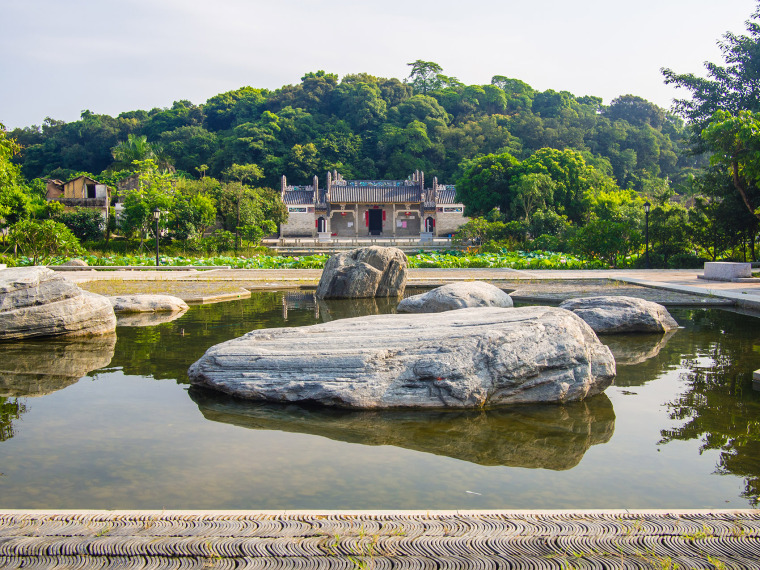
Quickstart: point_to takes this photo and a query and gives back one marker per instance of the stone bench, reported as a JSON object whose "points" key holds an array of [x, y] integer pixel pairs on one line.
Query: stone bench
{"points": [[726, 271]]}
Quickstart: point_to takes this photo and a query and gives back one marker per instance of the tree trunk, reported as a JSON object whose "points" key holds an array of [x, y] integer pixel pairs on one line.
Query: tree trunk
{"points": [[740, 187]]}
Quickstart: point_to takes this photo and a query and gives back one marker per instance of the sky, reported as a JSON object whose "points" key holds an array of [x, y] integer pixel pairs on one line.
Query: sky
{"points": [[64, 56]]}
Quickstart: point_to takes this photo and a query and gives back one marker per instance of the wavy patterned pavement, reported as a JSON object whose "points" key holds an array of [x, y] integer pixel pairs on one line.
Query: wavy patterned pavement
{"points": [[456, 539]]}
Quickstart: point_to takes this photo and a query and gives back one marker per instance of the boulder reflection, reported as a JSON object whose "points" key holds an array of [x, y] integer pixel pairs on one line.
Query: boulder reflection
{"points": [[542, 436], [36, 368], [332, 309], [630, 349], [147, 319]]}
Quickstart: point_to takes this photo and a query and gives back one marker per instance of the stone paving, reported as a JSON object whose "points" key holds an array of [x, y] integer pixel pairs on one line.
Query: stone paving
{"points": [[378, 540]]}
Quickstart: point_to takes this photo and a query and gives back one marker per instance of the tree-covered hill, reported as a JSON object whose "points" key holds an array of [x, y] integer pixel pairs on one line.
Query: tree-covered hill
{"points": [[371, 127]]}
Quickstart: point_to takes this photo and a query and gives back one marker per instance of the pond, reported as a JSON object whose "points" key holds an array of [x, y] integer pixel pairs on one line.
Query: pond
{"points": [[111, 423]]}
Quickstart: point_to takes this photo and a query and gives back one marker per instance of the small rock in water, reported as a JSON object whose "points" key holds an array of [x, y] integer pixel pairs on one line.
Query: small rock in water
{"points": [[147, 303], [615, 315], [456, 296]]}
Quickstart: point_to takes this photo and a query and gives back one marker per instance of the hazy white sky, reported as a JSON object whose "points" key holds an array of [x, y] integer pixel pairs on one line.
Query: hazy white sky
{"points": [[108, 56]]}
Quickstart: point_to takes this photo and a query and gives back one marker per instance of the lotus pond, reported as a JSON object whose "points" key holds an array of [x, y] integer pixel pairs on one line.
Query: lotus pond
{"points": [[111, 423]]}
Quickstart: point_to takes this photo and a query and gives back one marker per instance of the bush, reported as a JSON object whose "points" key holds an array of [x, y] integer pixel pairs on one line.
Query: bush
{"points": [[86, 224], [686, 261], [40, 240], [547, 242]]}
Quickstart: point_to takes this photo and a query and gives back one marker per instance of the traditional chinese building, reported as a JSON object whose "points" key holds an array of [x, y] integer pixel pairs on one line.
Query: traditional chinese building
{"points": [[360, 208]]}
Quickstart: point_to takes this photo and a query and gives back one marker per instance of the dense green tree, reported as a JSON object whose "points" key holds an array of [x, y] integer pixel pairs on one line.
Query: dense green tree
{"points": [[425, 76], [735, 141], [532, 191], [134, 148], [732, 87], [155, 190], [486, 184], [189, 147], [570, 175], [14, 200]]}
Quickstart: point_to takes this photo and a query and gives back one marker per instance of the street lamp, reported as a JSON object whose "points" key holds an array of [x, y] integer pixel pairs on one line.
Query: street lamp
{"points": [[647, 205], [156, 216]]}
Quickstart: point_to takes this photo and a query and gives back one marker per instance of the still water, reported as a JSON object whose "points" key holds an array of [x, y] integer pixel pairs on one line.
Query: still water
{"points": [[112, 423]]}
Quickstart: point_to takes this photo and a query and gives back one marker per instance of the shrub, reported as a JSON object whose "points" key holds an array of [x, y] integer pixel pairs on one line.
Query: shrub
{"points": [[86, 224], [686, 261], [40, 240]]}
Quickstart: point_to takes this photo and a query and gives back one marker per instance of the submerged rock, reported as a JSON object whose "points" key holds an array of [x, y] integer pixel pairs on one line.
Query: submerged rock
{"points": [[470, 358], [615, 315], [364, 272], [39, 367], [453, 296], [147, 304], [34, 301], [533, 436]]}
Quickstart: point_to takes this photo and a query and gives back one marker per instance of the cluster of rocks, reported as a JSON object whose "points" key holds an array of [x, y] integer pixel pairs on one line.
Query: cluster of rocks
{"points": [[463, 345], [37, 302]]}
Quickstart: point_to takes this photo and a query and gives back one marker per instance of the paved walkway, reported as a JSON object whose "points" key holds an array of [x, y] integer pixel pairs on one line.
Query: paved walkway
{"points": [[453, 539]]}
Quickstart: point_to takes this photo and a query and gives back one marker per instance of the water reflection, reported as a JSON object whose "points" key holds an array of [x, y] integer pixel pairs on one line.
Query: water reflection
{"points": [[546, 437], [719, 407], [147, 319], [631, 349], [36, 368]]}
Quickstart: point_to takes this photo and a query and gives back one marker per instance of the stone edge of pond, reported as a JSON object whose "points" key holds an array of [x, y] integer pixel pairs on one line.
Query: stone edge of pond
{"points": [[753, 513]]}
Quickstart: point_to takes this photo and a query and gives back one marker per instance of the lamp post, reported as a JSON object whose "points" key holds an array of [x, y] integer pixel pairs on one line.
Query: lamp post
{"points": [[156, 216], [647, 205]]}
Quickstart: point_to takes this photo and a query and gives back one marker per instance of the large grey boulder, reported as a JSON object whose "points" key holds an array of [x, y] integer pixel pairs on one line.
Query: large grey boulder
{"points": [[147, 304], [453, 296], [470, 358], [364, 272], [616, 315], [34, 301]]}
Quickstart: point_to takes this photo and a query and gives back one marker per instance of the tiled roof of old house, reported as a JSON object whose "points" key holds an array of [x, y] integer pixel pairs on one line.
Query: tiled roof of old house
{"points": [[447, 195], [375, 194], [298, 196]]}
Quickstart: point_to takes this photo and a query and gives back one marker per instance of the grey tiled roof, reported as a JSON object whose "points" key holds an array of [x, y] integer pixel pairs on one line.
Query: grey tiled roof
{"points": [[374, 194], [298, 197], [447, 195]]}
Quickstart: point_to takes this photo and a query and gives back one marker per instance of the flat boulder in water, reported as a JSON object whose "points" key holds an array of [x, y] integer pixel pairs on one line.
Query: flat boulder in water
{"points": [[453, 296], [35, 302], [470, 358], [364, 272], [617, 315]]}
